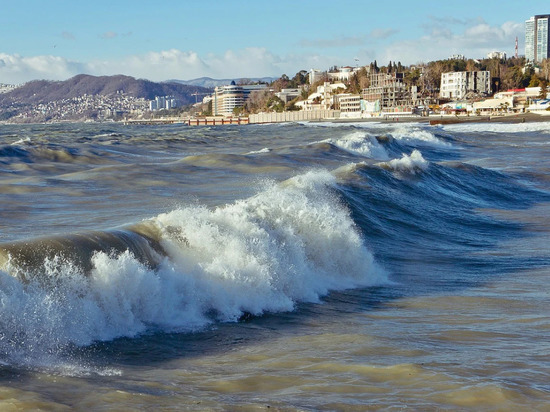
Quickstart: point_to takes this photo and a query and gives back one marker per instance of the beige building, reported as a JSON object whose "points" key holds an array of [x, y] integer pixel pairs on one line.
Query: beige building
{"points": [[348, 103]]}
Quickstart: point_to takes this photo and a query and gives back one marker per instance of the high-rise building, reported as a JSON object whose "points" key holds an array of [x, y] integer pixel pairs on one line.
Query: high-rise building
{"points": [[537, 45]]}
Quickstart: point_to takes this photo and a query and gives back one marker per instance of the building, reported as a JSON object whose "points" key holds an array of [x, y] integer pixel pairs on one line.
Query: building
{"points": [[389, 89], [163, 102], [323, 98], [348, 103], [496, 55], [343, 74], [226, 98], [316, 75], [537, 41], [6, 88], [287, 95], [456, 85]]}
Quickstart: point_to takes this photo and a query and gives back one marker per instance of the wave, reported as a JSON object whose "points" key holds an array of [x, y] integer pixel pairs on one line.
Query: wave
{"points": [[264, 150], [182, 270], [411, 163], [409, 133], [361, 143], [28, 152]]}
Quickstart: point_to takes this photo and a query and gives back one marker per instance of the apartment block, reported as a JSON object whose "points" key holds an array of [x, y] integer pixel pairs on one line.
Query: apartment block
{"points": [[456, 85]]}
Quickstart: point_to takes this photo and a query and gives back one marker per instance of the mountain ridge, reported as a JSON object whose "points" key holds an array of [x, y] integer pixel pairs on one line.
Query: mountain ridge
{"points": [[43, 91]]}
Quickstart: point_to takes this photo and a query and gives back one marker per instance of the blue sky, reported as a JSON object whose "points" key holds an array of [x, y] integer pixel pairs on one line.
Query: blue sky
{"points": [[227, 39]]}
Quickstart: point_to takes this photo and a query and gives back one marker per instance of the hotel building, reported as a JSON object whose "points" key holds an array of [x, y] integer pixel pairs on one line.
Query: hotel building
{"points": [[227, 98], [537, 39]]}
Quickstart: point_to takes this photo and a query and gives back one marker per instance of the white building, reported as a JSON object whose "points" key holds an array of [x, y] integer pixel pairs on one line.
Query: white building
{"points": [[323, 98], [537, 39], [496, 55], [227, 98], [315, 76], [163, 102], [343, 74], [455, 85]]}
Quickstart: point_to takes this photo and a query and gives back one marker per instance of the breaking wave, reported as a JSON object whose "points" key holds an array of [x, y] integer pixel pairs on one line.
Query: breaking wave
{"points": [[182, 270]]}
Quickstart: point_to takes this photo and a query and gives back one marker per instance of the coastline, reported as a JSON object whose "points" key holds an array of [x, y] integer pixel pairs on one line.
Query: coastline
{"points": [[451, 119]]}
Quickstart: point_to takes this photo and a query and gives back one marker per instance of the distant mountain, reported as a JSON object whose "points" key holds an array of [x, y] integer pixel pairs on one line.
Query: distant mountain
{"points": [[211, 83], [44, 91]]}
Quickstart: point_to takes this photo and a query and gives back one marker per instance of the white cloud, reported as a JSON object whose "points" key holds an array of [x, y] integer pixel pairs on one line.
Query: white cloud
{"points": [[163, 65], [474, 42], [17, 69]]}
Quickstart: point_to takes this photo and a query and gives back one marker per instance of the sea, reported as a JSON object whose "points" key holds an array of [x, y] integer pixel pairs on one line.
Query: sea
{"points": [[293, 267]]}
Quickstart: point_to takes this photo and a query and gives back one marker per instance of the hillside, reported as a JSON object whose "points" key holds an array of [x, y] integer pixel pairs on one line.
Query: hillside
{"points": [[43, 91]]}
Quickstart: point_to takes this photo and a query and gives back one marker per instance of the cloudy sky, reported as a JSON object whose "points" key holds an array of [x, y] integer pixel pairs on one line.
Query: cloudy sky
{"points": [[186, 39]]}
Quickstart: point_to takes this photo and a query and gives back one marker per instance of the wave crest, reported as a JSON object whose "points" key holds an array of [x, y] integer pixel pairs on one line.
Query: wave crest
{"points": [[292, 242]]}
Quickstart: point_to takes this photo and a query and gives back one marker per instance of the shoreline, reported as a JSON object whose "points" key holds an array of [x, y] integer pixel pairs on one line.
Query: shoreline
{"points": [[432, 120], [435, 120]]}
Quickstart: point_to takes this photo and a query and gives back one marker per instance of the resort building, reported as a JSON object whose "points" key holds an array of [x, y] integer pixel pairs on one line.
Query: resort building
{"points": [[348, 103], [537, 39], [226, 98], [456, 85]]}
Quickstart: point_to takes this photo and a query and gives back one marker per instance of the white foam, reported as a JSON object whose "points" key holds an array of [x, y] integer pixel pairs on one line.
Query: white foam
{"points": [[292, 242], [407, 132], [496, 127], [264, 150], [361, 143], [407, 163], [21, 141]]}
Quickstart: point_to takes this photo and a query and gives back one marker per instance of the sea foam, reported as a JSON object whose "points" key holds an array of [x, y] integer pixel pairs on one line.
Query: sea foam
{"points": [[407, 163], [499, 127], [361, 143]]}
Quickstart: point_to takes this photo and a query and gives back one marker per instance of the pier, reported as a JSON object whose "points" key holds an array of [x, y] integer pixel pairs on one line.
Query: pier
{"points": [[192, 121]]}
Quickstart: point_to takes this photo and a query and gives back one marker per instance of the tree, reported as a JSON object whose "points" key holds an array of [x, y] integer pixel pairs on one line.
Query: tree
{"points": [[299, 79], [275, 104], [411, 77], [543, 89], [354, 85]]}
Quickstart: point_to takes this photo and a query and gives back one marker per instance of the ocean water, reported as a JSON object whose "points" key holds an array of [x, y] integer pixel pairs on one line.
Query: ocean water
{"points": [[315, 266]]}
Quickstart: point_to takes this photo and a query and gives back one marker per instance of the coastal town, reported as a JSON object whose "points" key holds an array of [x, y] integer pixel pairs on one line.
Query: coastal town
{"points": [[496, 85]]}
